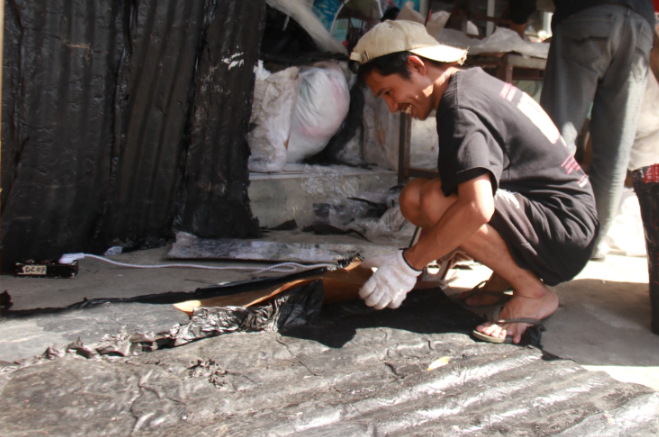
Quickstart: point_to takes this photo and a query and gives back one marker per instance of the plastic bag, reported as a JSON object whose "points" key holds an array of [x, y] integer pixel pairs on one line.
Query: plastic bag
{"points": [[322, 105], [501, 41], [436, 22], [275, 96], [300, 11], [297, 306]]}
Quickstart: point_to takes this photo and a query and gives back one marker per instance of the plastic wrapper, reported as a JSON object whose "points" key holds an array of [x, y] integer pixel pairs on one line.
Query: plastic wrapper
{"points": [[408, 13], [188, 246], [392, 226], [293, 308], [322, 105], [348, 208], [300, 11], [275, 96], [501, 41], [114, 250], [375, 217], [351, 152], [366, 221], [329, 182], [436, 22]]}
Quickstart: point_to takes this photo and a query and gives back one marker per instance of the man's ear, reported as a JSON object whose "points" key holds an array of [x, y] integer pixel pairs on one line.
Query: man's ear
{"points": [[417, 64]]}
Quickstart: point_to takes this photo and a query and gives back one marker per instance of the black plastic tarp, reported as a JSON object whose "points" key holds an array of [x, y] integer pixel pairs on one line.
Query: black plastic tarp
{"points": [[349, 370], [122, 118]]}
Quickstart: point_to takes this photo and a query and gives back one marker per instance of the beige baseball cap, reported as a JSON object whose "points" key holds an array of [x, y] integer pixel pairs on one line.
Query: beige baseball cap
{"points": [[399, 36]]}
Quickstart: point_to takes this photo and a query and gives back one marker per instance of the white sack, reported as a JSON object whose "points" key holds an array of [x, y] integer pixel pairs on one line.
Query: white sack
{"points": [[322, 105], [408, 13], [275, 96]]}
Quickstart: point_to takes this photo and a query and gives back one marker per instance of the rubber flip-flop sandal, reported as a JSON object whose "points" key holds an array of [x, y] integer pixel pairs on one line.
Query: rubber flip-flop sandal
{"points": [[502, 297], [533, 337]]}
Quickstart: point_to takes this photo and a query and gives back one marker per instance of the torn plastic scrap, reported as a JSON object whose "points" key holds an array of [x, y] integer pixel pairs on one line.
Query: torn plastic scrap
{"points": [[441, 362]]}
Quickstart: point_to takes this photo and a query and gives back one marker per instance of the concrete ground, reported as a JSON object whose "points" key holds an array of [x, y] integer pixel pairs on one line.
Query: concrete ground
{"points": [[603, 322]]}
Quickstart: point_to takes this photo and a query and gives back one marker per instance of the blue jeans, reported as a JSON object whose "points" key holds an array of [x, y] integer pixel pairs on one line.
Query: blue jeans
{"points": [[600, 56]]}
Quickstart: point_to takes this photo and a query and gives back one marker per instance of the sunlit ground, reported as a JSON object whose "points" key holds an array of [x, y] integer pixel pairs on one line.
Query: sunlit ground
{"points": [[603, 320]]}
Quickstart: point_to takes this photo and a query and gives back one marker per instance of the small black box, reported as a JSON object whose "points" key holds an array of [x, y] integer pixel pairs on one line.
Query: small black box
{"points": [[46, 269]]}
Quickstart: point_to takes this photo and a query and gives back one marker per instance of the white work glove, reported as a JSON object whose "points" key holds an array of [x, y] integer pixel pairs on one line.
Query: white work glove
{"points": [[389, 286]]}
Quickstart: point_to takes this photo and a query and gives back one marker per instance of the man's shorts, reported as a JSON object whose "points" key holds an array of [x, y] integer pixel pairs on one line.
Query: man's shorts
{"points": [[553, 247]]}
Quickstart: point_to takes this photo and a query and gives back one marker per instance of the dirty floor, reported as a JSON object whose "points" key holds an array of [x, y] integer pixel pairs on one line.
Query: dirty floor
{"points": [[602, 323]]}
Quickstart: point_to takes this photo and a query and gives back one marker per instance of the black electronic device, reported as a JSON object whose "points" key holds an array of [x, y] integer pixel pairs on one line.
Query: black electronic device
{"points": [[46, 269]]}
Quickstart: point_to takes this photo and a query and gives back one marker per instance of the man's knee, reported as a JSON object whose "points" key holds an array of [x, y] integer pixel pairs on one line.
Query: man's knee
{"points": [[422, 201], [410, 199], [433, 201]]}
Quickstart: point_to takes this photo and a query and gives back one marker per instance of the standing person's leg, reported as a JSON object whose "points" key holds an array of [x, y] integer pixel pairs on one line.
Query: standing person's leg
{"points": [[598, 55], [616, 111], [572, 73]]}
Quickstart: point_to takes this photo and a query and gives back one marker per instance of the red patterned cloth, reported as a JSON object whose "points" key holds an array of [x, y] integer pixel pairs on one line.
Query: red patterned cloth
{"points": [[651, 175]]}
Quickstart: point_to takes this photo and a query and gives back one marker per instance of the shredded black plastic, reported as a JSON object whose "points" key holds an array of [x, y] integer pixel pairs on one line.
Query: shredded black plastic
{"points": [[296, 307]]}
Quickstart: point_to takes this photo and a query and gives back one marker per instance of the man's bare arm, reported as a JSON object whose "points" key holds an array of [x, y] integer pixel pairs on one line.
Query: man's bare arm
{"points": [[473, 208]]}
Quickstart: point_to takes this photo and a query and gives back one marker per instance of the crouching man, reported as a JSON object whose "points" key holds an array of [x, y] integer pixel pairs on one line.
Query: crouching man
{"points": [[509, 192]]}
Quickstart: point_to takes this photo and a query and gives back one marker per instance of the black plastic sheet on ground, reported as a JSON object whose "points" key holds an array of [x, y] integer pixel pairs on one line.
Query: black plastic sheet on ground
{"points": [[296, 307], [355, 371], [170, 297]]}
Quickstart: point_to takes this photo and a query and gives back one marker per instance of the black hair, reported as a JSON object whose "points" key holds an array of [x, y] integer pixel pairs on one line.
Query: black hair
{"points": [[386, 65], [390, 14]]}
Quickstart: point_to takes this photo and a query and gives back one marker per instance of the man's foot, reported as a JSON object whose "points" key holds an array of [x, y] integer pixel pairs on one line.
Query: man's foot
{"points": [[539, 308], [487, 294]]}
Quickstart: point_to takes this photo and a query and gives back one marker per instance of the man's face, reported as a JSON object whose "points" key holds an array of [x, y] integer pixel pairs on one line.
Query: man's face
{"points": [[413, 96]]}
